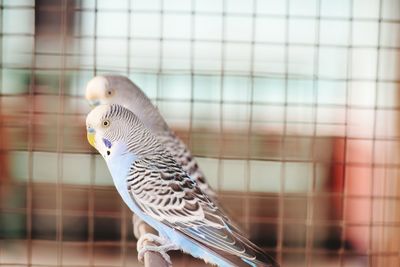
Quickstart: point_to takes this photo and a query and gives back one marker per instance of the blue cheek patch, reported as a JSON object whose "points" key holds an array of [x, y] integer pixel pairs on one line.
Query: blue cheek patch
{"points": [[107, 143]]}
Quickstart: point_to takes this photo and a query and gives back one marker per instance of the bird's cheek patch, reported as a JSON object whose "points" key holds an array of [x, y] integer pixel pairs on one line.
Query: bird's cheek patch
{"points": [[107, 143]]}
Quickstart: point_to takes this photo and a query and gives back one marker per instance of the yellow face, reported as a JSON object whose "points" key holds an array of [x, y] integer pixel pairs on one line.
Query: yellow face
{"points": [[95, 126]]}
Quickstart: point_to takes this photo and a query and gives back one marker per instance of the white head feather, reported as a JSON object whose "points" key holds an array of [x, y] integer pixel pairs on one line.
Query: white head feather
{"points": [[115, 89], [114, 130]]}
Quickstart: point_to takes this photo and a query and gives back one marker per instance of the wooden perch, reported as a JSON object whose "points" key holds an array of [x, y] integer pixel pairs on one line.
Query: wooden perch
{"points": [[150, 258]]}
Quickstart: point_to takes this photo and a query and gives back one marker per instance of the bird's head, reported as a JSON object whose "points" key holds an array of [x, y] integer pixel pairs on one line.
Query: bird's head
{"points": [[116, 89], [115, 131]]}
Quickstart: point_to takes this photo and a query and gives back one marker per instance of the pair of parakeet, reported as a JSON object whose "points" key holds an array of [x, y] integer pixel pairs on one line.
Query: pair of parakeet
{"points": [[159, 180]]}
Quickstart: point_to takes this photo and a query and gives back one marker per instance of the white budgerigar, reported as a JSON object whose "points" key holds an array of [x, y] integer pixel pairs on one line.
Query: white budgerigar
{"points": [[115, 89], [159, 191]]}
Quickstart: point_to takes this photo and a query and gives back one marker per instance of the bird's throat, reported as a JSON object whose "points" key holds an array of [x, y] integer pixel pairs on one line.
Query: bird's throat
{"points": [[119, 165]]}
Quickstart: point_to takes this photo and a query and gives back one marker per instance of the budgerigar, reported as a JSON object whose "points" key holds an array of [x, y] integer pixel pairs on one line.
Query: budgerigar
{"points": [[159, 191], [115, 89]]}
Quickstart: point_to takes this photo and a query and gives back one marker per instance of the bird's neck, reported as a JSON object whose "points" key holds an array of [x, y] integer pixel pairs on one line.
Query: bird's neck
{"points": [[119, 166], [148, 113]]}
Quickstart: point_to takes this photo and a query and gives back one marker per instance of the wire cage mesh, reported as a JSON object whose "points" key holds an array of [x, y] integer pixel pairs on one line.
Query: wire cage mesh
{"points": [[290, 106]]}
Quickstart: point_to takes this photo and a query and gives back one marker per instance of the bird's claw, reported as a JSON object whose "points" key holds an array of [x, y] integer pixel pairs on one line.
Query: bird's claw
{"points": [[159, 249], [150, 238], [162, 247]]}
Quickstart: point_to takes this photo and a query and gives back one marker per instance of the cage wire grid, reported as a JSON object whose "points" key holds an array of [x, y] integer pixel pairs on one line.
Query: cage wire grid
{"points": [[251, 105]]}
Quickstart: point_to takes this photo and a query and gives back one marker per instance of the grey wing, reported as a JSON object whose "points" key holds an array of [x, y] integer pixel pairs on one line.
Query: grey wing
{"points": [[177, 148], [165, 192]]}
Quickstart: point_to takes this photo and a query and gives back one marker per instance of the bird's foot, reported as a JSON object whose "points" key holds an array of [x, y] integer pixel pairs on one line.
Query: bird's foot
{"points": [[162, 250], [162, 247], [151, 238]]}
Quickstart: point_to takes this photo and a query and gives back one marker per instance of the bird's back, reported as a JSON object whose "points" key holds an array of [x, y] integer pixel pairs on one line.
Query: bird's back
{"points": [[177, 148]]}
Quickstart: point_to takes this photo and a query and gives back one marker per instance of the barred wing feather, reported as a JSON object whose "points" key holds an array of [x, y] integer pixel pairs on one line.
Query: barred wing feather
{"points": [[163, 191]]}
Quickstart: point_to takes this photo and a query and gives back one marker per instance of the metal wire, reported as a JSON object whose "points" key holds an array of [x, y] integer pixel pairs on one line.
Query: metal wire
{"points": [[295, 142]]}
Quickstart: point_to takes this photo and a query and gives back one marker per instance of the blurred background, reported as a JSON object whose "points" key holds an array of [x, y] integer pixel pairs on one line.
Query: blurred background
{"points": [[291, 108]]}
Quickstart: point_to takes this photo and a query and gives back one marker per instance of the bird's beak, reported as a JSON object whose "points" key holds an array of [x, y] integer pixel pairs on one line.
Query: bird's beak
{"points": [[94, 102], [91, 137]]}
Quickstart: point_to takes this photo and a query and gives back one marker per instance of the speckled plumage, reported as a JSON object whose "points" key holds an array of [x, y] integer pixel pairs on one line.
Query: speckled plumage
{"points": [[159, 191]]}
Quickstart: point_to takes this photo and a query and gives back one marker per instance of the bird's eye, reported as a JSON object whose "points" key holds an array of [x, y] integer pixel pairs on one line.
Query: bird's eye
{"points": [[109, 92], [106, 123]]}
